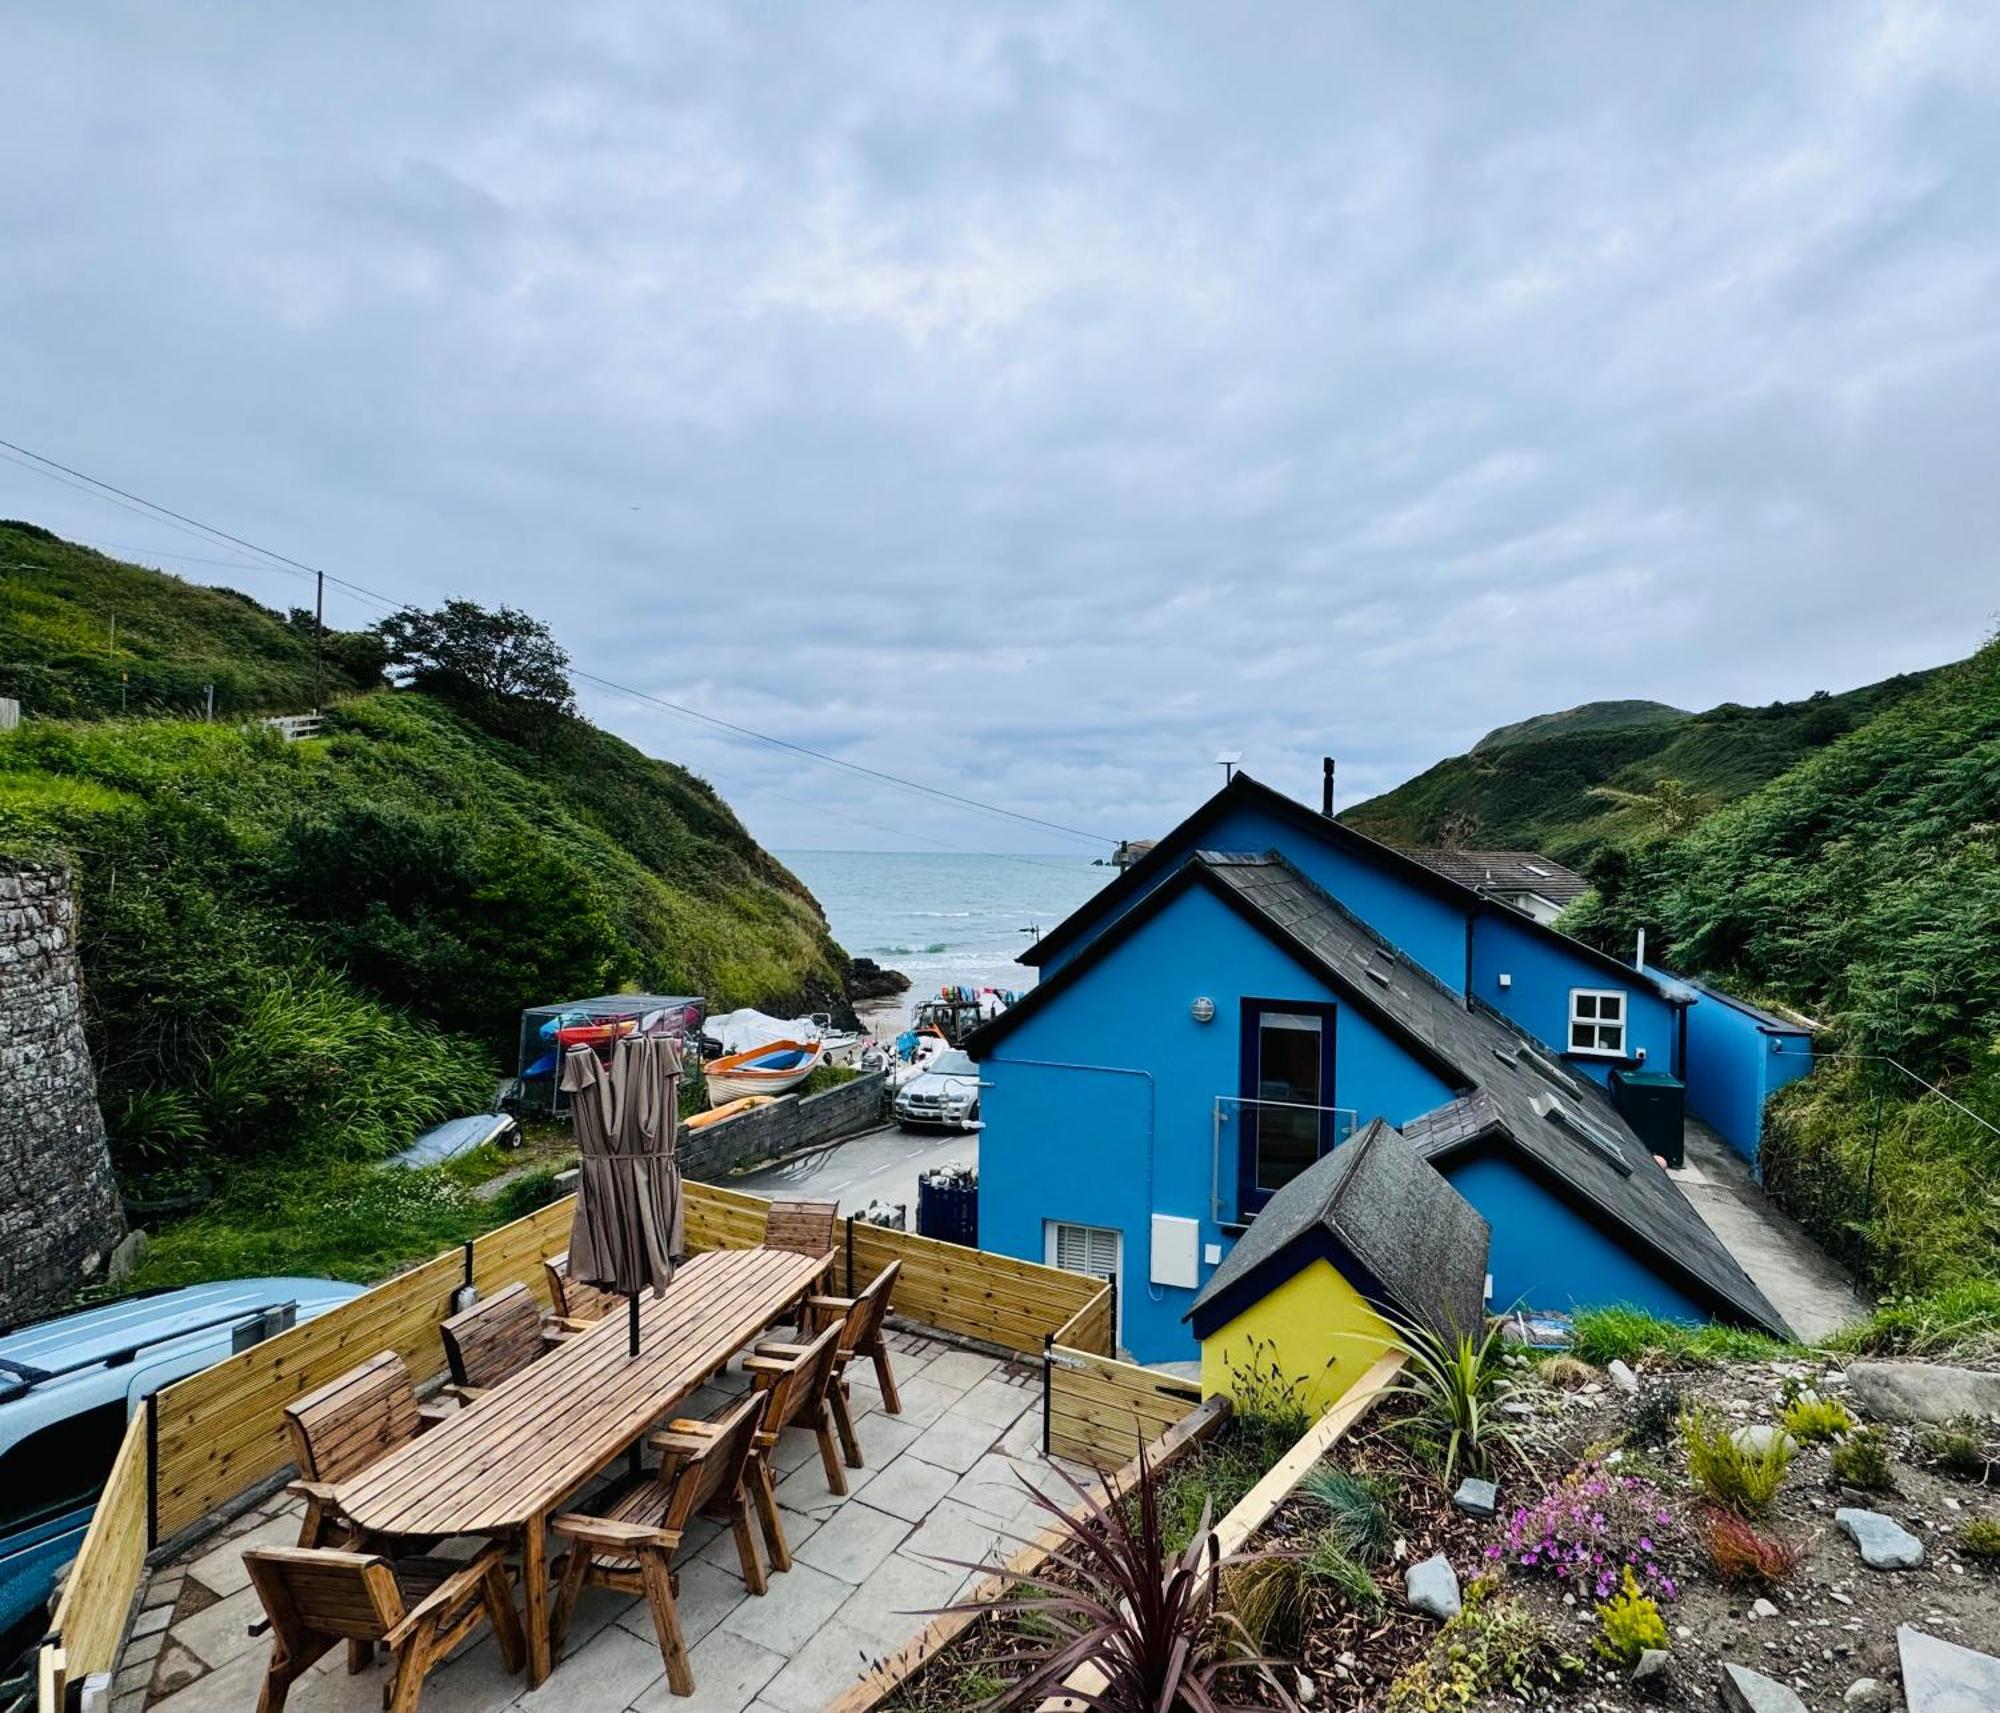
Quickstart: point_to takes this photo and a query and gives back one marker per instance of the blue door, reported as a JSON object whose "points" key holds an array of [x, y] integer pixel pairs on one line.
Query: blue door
{"points": [[1287, 1086]]}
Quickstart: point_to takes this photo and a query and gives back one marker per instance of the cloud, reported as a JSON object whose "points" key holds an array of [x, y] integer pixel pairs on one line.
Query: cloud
{"points": [[1035, 400]]}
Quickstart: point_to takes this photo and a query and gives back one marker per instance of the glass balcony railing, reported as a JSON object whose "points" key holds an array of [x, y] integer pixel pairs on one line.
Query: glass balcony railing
{"points": [[1261, 1145]]}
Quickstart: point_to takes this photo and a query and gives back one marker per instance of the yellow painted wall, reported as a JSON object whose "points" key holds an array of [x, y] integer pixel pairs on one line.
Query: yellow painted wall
{"points": [[1315, 1318]]}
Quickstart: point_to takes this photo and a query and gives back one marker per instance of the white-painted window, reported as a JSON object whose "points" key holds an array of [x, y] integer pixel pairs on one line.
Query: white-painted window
{"points": [[1091, 1249], [1597, 1021]]}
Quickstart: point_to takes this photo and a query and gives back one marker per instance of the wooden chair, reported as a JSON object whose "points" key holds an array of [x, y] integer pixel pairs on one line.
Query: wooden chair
{"points": [[631, 1546], [799, 1379], [861, 1319], [342, 1428], [574, 1300], [486, 1343], [802, 1227], [422, 1607]]}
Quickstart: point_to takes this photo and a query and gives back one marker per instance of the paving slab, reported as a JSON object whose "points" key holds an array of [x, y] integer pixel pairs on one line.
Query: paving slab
{"points": [[223, 1570], [884, 1438], [708, 1594], [229, 1689], [960, 1536], [853, 1541], [728, 1673], [613, 1669], [218, 1633], [805, 1489], [909, 1488], [897, 1601], [961, 1370], [788, 1617], [998, 1401], [821, 1670], [954, 1442], [924, 1400], [1004, 1487]]}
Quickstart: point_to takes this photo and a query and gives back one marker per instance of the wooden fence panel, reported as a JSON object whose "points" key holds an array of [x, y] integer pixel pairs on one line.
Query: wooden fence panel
{"points": [[1101, 1410], [90, 1617], [1015, 1304], [222, 1430], [515, 1253], [1090, 1329]]}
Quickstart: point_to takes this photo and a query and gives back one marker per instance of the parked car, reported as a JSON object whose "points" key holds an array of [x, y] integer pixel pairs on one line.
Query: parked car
{"points": [[944, 1096], [68, 1386]]}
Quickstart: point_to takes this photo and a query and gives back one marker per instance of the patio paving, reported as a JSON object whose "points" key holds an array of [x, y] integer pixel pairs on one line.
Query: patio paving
{"points": [[944, 1480]]}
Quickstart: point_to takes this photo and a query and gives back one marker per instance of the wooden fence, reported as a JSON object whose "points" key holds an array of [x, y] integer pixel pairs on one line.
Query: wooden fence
{"points": [[206, 1439], [1099, 1411]]}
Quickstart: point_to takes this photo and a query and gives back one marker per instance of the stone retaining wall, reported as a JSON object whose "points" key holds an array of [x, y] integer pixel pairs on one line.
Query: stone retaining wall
{"points": [[771, 1132], [60, 1215]]}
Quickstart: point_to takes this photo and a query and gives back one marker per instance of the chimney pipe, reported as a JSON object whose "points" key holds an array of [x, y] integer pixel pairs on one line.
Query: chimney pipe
{"points": [[1326, 786], [1639, 953]]}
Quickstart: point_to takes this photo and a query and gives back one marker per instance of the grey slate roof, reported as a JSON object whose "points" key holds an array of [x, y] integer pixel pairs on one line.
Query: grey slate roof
{"points": [[1504, 872], [1422, 1242], [1512, 1090]]}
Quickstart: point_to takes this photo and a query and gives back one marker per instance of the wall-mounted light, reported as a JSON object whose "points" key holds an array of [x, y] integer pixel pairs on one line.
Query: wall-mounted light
{"points": [[1506, 980], [1202, 1010]]}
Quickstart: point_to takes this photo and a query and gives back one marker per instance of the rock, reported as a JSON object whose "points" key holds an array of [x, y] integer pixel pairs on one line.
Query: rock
{"points": [[1942, 1677], [1922, 1391], [127, 1258], [1747, 1691], [1757, 1439], [1477, 1498], [1433, 1587], [1649, 1676], [1762, 1609], [1622, 1376], [1885, 1544], [869, 980], [1866, 1692]]}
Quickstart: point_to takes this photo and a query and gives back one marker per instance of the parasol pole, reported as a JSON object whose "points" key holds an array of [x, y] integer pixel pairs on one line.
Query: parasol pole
{"points": [[632, 1307]]}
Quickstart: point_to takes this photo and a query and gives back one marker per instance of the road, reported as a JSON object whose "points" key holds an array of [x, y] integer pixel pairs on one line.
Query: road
{"points": [[877, 1165]]}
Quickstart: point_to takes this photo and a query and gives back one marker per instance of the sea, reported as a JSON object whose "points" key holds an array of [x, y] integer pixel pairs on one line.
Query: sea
{"points": [[945, 919]]}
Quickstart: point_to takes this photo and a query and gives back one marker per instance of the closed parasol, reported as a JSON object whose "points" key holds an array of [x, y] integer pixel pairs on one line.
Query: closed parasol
{"points": [[628, 1226]]}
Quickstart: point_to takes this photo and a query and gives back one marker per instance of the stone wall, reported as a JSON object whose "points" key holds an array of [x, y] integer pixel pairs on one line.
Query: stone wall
{"points": [[771, 1132], [59, 1211]]}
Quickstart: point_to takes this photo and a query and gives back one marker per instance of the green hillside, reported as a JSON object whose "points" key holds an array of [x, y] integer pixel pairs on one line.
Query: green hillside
{"points": [[1565, 790], [297, 955], [1862, 887], [1588, 717]]}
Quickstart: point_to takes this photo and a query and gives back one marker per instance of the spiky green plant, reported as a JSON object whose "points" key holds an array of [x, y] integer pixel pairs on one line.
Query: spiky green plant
{"points": [[1458, 1383]]}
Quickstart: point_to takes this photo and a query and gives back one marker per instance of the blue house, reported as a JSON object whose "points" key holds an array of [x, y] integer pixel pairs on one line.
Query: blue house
{"points": [[1264, 982]]}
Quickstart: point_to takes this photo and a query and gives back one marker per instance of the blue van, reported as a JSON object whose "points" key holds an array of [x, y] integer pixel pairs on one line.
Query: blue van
{"points": [[67, 1388]]}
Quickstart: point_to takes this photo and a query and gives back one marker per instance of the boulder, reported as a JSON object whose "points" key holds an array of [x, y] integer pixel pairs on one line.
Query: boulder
{"points": [[1433, 1587], [1866, 1692], [1621, 1375], [1762, 1609], [1942, 1677], [1757, 1439], [1477, 1498], [1650, 1676], [1922, 1391], [869, 980], [1747, 1691], [1885, 1544]]}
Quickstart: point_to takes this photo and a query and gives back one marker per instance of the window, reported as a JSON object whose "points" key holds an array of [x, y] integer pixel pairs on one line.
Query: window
{"points": [[1091, 1249], [60, 1467], [1597, 1022], [1287, 1085]]}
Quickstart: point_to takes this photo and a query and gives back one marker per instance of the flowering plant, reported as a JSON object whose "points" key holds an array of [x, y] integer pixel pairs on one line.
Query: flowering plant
{"points": [[1593, 1526]]}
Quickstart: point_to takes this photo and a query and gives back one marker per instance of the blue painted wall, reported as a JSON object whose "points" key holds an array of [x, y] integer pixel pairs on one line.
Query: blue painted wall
{"points": [[1547, 1256], [1537, 999], [1421, 925], [1099, 1109], [1736, 1060]]}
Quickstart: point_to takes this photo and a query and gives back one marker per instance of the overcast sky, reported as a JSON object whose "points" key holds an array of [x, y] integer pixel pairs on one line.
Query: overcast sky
{"points": [[1036, 400]]}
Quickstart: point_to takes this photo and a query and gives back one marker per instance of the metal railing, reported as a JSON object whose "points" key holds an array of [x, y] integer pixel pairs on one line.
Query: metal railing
{"points": [[1235, 1130]]}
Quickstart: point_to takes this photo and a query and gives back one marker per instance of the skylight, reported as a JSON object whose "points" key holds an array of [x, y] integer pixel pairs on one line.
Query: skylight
{"points": [[1532, 869], [1593, 1138]]}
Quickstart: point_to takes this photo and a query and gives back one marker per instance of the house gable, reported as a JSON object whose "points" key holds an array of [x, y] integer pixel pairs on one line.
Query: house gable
{"points": [[1324, 1330]]}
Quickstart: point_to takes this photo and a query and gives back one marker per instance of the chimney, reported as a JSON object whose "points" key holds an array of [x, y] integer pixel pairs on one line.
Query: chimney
{"points": [[1326, 786]]}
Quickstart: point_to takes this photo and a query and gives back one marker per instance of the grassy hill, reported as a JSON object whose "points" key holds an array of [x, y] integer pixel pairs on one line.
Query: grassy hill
{"points": [[1863, 887], [1566, 784], [297, 955], [1589, 717]]}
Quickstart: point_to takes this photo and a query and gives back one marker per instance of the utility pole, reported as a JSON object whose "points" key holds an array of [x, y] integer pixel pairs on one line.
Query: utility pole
{"points": [[319, 632]]}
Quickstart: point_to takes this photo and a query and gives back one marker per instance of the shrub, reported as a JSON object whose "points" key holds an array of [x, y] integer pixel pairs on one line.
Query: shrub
{"points": [[1591, 1527], [1862, 1462], [1458, 1384], [1728, 1475], [521, 1197], [1629, 1623], [1492, 1646], [1742, 1556], [1361, 1526], [1565, 1373], [1266, 1596], [1809, 1418], [1962, 1319], [1979, 1537], [1956, 1452]]}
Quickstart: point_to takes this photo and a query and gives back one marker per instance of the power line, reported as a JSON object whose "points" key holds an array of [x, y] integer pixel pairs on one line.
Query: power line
{"points": [[70, 477]]}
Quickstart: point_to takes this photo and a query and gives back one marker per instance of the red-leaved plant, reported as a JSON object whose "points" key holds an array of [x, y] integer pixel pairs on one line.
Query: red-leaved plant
{"points": [[1740, 1554], [1144, 1618]]}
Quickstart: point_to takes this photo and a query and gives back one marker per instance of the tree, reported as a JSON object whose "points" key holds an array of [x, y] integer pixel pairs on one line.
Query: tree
{"points": [[504, 654]]}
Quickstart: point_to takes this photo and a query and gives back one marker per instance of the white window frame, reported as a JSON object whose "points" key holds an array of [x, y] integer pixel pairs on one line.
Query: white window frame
{"points": [[1050, 1230], [1592, 1018]]}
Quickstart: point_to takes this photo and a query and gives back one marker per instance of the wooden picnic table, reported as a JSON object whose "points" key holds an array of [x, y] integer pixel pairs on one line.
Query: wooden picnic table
{"points": [[502, 1466]]}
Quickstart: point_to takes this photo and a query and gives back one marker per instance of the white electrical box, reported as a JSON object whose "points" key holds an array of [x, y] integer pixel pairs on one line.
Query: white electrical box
{"points": [[1176, 1242], [1212, 1254]]}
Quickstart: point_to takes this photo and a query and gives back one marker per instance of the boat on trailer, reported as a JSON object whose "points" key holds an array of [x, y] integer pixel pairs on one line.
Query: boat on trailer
{"points": [[770, 1069]]}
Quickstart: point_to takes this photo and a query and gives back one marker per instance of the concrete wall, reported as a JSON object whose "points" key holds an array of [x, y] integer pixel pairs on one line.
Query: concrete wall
{"points": [[60, 1215], [792, 1123]]}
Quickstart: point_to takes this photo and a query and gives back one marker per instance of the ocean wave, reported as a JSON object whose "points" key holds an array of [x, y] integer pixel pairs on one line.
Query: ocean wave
{"points": [[931, 950]]}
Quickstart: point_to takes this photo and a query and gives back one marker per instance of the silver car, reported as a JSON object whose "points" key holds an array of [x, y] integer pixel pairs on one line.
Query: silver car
{"points": [[944, 1096]]}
